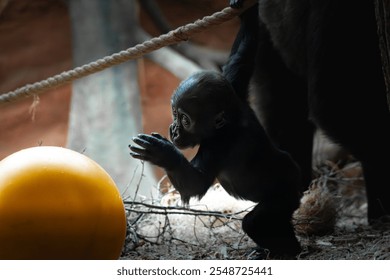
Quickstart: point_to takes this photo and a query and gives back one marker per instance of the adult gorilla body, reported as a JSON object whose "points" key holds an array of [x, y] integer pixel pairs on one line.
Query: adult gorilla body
{"points": [[319, 62]]}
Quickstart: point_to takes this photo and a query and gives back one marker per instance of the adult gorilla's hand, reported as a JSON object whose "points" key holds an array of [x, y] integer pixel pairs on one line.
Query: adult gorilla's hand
{"points": [[157, 150]]}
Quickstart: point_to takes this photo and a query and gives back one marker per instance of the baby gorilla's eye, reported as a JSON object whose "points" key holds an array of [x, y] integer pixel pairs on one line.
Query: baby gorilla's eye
{"points": [[185, 121]]}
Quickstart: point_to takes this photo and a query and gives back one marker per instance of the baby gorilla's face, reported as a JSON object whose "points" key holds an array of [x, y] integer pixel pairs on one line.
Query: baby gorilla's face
{"points": [[181, 130], [199, 107]]}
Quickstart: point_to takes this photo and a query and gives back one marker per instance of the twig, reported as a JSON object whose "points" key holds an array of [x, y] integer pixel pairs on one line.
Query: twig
{"points": [[200, 213], [180, 211]]}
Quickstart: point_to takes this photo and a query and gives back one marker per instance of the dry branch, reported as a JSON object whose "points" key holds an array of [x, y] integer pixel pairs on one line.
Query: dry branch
{"points": [[145, 208]]}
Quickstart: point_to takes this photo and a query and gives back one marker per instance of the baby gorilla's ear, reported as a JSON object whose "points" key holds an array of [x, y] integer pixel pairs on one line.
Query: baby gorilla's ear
{"points": [[219, 120]]}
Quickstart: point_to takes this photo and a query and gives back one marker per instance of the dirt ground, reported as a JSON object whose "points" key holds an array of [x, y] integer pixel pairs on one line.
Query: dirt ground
{"points": [[336, 228]]}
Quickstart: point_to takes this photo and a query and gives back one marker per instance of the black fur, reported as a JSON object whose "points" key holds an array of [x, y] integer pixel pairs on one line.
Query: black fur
{"points": [[211, 109], [318, 62]]}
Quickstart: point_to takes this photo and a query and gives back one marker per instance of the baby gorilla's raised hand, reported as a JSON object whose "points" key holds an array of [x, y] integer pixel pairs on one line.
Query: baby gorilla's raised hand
{"points": [[236, 4], [157, 150]]}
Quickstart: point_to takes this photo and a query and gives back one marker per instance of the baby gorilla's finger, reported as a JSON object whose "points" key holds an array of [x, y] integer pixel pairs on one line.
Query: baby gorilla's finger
{"points": [[158, 136], [139, 153], [139, 156], [151, 140], [135, 155], [139, 140], [137, 150]]}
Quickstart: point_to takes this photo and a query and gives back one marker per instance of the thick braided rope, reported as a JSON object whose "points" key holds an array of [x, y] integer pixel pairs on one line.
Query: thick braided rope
{"points": [[182, 33]]}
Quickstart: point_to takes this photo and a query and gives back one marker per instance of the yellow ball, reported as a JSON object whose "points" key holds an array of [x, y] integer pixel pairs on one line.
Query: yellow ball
{"points": [[58, 204]]}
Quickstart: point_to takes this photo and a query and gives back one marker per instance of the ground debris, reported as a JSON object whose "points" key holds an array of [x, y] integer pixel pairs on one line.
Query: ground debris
{"points": [[208, 235]]}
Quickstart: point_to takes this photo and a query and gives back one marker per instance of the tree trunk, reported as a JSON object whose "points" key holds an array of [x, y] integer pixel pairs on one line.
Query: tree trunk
{"points": [[106, 107]]}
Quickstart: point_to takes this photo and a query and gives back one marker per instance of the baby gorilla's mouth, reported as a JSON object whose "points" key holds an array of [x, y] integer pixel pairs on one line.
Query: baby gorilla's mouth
{"points": [[176, 139]]}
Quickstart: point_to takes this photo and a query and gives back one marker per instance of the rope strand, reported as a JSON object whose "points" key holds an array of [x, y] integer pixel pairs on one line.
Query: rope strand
{"points": [[182, 33]]}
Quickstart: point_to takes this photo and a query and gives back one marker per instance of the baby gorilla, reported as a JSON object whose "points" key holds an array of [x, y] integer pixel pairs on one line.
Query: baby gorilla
{"points": [[234, 149], [210, 110]]}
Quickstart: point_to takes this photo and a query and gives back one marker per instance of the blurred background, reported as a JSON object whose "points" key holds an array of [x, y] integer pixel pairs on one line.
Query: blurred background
{"points": [[99, 114]]}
